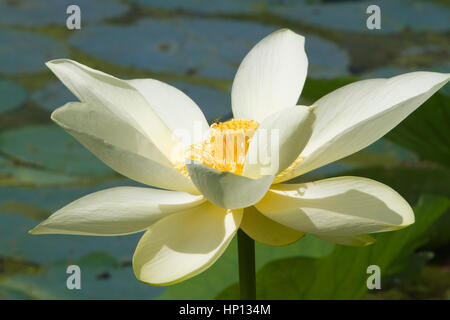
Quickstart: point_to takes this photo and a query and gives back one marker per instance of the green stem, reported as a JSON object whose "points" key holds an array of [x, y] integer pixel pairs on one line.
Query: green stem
{"points": [[246, 254]]}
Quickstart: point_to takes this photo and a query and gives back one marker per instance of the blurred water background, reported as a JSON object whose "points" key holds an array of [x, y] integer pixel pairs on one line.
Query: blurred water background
{"points": [[197, 45]]}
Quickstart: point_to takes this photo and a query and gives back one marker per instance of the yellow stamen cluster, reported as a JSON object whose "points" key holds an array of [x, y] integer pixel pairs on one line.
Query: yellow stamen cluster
{"points": [[225, 148]]}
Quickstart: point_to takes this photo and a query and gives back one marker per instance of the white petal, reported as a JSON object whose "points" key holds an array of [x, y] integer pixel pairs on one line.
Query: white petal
{"points": [[343, 206], [121, 98], [101, 123], [360, 113], [267, 231], [116, 211], [271, 76], [226, 189], [360, 240], [278, 141], [182, 245], [175, 109], [133, 165]]}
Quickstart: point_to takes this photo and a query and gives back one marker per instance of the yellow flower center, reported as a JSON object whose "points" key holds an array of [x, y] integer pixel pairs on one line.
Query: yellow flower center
{"points": [[225, 148]]}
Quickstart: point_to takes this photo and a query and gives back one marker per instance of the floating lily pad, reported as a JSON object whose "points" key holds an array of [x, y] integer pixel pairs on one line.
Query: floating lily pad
{"points": [[25, 52], [53, 198], [214, 103], [50, 248], [12, 95], [201, 6], [21, 209], [396, 16], [49, 147], [125, 45], [207, 47], [325, 59], [392, 71], [415, 50], [174, 46], [96, 282], [52, 96], [39, 13], [216, 6], [13, 175]]}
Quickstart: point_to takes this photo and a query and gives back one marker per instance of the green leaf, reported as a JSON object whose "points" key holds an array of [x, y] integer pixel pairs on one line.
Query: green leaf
{"points": [[225, 271], [315, 89], [426, 131], [410, 182], [342, 274], [382, 153], [407, 269], [433, 283]]}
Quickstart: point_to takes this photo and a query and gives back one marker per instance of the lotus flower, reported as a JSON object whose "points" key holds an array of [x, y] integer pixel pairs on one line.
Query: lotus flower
{"points": [[218, 182]]}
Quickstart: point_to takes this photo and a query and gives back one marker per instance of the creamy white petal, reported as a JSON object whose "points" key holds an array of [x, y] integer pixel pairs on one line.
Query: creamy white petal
{"points": [[267, 231], [100, 89], [179, 112], [133, 165], [226, 189], [101, 123], [116, 211], [182, 245], [271, 76], [278, 141], [360, 240], [356, 115], [343, 206]]}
